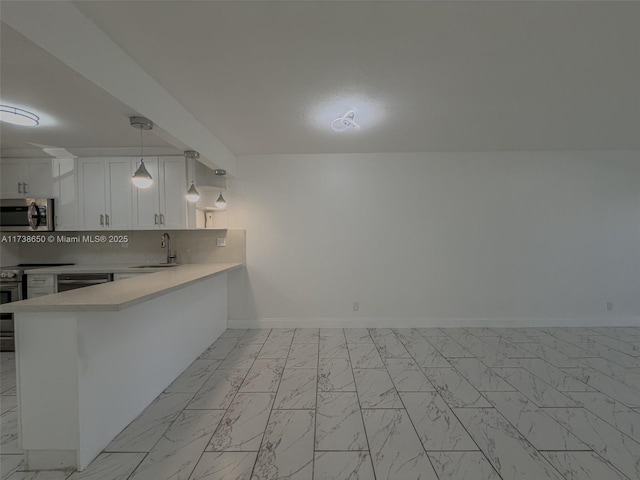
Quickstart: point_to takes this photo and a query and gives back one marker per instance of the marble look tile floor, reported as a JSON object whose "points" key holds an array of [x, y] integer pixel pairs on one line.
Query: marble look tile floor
{"points": [[380, 404]]}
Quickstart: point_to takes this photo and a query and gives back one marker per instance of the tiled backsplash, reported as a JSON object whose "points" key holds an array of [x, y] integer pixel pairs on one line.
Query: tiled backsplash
{"points": [[192, 246]]}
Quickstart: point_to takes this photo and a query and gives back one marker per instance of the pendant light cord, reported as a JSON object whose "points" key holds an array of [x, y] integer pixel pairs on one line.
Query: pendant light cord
{"points": [[141, 148]]}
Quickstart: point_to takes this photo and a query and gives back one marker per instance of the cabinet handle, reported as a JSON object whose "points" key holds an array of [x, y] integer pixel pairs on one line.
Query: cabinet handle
{"points": [[102, 220], [57, 221], [25, 188], [155, 215], [107, 218], [161, 219], [19, 187]]}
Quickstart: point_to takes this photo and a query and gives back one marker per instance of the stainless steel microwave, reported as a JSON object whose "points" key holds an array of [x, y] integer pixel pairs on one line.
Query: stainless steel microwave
{"points": [[27, 214]]}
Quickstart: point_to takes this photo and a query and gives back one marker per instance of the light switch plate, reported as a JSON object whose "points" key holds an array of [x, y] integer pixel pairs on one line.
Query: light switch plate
{"points": [[221, 242]]}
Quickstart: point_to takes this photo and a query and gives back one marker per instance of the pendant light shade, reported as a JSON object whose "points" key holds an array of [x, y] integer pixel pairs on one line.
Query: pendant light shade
{"points": [[192, 194], [221, 202], [142, 178]]}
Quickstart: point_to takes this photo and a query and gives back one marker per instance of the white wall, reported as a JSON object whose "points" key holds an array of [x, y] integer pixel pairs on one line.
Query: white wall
{"points": [[545, 237]]}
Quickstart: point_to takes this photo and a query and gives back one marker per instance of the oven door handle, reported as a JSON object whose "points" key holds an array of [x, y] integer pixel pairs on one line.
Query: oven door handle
{"points": [[81, 282], [34, 216]]}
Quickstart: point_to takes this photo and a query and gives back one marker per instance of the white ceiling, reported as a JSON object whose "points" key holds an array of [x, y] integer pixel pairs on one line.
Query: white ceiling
{"points": [[268, 77], [76, 115]]}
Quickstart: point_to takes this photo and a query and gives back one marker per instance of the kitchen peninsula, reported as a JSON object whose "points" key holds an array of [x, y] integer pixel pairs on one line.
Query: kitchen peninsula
{"points": [[103, 353]]}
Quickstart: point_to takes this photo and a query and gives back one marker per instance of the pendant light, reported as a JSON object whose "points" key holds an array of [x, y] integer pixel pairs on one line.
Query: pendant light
{"points": [[192, 194], [142, 178], [220, 202]]}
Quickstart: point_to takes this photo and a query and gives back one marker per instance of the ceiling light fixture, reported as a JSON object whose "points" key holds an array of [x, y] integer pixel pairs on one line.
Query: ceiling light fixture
{"points": [[345, 122], [192, 194], [142, 178], [220, 202], [18, 116]]}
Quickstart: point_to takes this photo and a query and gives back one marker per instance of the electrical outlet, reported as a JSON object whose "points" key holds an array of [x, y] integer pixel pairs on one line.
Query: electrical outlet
{"points": [[221, 242], [208, 219], [609, 306], [356, 306]]}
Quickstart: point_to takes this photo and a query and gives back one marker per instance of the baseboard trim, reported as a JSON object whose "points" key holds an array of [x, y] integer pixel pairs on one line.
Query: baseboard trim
{"points": [[50, 460], [427, 322]]}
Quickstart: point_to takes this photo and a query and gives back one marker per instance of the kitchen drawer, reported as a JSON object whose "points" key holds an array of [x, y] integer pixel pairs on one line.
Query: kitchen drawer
{"points": [[35, 292], [41, 281]]}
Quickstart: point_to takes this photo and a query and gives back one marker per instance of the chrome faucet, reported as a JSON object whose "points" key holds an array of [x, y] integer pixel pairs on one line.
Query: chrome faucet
{"points": [[166, 243]]}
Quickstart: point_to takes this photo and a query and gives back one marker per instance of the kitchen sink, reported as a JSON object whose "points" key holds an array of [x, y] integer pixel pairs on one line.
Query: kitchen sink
{"points": [[160, 265]]}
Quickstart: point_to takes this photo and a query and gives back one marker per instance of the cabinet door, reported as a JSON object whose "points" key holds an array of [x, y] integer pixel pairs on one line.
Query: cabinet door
{"points": [[12, 174], [65, 189], [119, 194], [148, 199], [92, 193], [173, 204], [39, 179]]}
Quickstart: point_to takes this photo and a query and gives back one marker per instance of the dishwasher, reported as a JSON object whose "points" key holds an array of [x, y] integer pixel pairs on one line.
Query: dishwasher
{"points": [[72, 281]]}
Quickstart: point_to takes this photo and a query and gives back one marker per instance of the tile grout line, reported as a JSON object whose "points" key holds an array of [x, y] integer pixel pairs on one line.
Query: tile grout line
{"points": [[274, 400], [315, 413], [355, 386]]}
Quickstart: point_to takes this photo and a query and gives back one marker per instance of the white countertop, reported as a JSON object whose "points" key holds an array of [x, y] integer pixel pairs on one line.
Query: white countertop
{"points": [[118, 295], [98, 268]]}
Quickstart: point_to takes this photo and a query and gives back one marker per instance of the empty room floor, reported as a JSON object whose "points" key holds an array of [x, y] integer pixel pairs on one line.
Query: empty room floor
{"points": [[360, 404]]}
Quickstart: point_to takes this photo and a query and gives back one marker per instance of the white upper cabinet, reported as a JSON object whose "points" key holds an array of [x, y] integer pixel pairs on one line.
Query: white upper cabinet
{"points": [[147, 200], [65, 189], [96, 193], [105, 193], [26, 178], [173, 203], [120, 194], [163, 205]]}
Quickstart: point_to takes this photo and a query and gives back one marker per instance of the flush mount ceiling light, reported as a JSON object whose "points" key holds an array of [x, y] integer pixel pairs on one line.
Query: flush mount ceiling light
{"points": [[345, 122], [142, 178], [192, 194], [346, 111], [220, 202], [18, 116]]}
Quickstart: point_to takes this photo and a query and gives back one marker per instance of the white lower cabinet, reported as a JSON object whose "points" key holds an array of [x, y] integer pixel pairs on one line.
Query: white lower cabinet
{"points": [[106, 193]]}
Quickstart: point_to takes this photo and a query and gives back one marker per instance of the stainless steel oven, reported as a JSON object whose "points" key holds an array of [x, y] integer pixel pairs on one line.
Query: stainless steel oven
{"points": [[26, 214], [11, 290]]}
